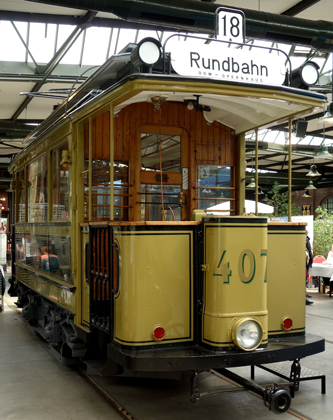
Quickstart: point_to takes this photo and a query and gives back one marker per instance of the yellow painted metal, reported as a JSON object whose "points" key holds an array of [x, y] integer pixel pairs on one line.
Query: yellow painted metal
{"points": [[256, 174], [155, 286], [83, 298], [234, 277], [241, 173], [111, 160], [286, 277], [90, 169], [289, 171]]}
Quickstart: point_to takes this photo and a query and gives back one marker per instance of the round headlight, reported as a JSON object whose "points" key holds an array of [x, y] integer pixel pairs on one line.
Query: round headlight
{"points": [[147, 52], [247, 334]]}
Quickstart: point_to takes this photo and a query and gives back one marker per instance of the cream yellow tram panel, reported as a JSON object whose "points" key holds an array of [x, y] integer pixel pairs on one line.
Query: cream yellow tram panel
{"points": [[286, 278], [155, 286], [235, 285]]}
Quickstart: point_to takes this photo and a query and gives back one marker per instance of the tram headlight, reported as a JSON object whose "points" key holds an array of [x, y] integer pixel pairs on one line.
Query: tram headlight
{"points": [[247, 334], [147, 52]]}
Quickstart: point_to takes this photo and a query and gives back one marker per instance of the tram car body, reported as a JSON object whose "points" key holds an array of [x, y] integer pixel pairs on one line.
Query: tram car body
{"points": [[118, 258]]}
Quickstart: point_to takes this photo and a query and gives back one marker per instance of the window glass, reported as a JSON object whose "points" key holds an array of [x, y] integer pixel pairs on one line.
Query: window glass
{"points": [[37, 190], [151, 156], [214, 187], [21, 194], [100, 189], [151, 202], [328, 204], [60, 181], [120, 193]]}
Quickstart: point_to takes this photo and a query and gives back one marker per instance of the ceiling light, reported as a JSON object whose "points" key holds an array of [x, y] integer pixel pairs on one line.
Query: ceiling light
{"points": [[313, 171], [190, 106], [310, 186], [265, 199], [194, 103], [324, 153]]}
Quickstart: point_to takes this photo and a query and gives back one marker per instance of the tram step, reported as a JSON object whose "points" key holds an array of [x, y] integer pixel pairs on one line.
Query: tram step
{"points": [[283, 370], [102, 367]]}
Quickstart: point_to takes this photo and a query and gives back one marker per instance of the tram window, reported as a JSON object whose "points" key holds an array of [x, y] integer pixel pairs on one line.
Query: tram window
{"points": [[21, 215], [120, 191], [152, 159], [160, 152], [100, 189], [60, 183], [151, 202], [37, 190], [214, 185]]}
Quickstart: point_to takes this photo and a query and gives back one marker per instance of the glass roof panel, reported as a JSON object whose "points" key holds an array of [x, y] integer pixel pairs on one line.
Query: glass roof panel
{"points": [[95, 53], [127, 36], [12, 49], [41, 42], [74, 54]]}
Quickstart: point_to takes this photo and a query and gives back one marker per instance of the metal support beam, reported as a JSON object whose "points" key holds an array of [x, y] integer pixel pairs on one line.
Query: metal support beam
{"points": [[79, 20], [198, 16], [55, 61], [299, 7]]}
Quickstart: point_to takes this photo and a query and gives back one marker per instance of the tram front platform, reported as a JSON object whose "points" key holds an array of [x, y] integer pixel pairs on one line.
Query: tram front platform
{"points": [[35, 386]]}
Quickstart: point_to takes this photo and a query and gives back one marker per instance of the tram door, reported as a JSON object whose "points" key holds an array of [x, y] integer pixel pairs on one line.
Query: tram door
{"points": [[163, 173]]}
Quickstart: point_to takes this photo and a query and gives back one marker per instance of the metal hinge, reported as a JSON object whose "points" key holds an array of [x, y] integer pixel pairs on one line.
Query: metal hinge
{"points": [[205, 267]]}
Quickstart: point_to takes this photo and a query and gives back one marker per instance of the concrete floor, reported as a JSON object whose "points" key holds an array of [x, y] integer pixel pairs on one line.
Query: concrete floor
{"points": [[34, 386]]}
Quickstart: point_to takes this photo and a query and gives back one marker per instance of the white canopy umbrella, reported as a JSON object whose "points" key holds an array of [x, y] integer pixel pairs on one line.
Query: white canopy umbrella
{"points": [[250, 207]]}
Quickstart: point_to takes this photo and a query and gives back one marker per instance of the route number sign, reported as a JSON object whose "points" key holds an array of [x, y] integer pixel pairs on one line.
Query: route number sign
{"points": [[230, 24]]}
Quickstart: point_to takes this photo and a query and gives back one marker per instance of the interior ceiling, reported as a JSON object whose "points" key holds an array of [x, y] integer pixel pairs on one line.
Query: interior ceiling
{"points": [[17, 110]]}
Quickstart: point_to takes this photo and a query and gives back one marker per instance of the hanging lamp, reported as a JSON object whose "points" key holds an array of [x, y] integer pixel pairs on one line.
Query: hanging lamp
{"points": [[324, 153], [310, 186], [306, 194], [252, 183], [313, 171]]}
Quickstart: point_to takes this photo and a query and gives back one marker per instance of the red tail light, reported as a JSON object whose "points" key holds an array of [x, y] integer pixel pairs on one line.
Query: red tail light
{"points": [[287, 323], [158, 333]]}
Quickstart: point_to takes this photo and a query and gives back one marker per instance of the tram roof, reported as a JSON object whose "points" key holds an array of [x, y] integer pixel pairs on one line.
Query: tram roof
{"points": [[240, 106]]}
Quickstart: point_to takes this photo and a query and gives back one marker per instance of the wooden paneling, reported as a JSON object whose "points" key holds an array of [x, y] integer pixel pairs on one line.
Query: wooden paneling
{"points": [[207, 144], [173, 178], [213, 145], [100, 135]]}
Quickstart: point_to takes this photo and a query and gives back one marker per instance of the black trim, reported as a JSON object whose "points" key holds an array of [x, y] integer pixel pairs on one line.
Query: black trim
{"points": [[290, 229], [281, 335], [237, 221], [199, 358]]}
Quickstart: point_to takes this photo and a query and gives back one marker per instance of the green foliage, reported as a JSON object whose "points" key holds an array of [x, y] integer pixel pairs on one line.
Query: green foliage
{"points": [[279, 200], [322, 232]]}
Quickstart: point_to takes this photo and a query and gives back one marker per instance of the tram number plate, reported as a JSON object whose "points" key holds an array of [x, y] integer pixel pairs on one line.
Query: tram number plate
{"points": [[230, 25]]}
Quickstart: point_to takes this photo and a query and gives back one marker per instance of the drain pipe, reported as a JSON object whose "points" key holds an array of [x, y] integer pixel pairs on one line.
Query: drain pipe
{"points": [[199, 16]]}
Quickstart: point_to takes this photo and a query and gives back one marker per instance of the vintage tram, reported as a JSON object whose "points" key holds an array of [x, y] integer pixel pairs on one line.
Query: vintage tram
{"points": [[120, 256]]}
